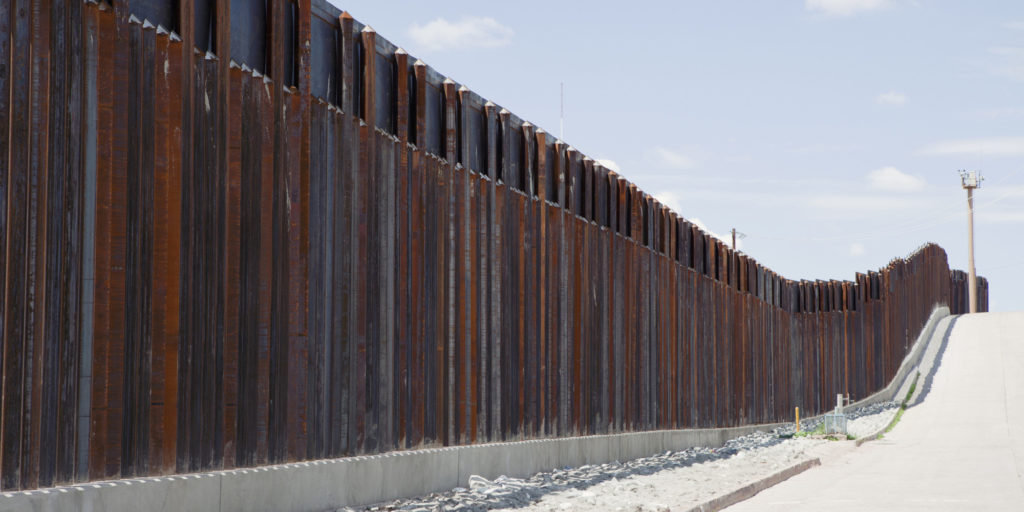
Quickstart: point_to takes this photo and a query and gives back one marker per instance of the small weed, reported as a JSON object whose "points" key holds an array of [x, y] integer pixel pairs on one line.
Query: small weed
{"points": [[899, 415], [903, 406], [820, 429], [913, 386]]}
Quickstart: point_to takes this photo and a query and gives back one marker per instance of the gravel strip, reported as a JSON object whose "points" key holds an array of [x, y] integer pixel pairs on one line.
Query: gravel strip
{"points": [[661, 482]]}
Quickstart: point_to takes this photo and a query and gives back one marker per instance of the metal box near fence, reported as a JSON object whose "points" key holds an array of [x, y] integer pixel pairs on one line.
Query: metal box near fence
{"points": [[835, 423]]}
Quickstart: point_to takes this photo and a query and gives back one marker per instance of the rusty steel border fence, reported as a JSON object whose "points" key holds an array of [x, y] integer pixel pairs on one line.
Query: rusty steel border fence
{"points": [[206, 268]]}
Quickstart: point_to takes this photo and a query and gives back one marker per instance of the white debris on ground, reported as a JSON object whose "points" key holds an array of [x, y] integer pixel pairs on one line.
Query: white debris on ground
{"points": [[669, 481]]}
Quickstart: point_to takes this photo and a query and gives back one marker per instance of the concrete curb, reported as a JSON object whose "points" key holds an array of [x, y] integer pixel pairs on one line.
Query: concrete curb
{"points": [[877, 435], [748, 491], [895, 418]]}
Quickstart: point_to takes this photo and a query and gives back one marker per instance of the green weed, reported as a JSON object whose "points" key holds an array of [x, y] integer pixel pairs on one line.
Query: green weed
{"points": [[903, 406]]}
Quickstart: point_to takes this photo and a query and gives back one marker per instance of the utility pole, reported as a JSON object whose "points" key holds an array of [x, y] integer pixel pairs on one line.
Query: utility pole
{"points": [[734, 234], [971, 180]]}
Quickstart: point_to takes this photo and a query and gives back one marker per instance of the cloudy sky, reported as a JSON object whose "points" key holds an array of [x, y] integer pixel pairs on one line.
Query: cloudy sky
{"points": [[830, 132]]}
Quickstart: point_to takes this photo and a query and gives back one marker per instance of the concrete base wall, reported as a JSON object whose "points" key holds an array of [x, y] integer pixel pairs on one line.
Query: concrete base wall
{"points": [[328, 484]]}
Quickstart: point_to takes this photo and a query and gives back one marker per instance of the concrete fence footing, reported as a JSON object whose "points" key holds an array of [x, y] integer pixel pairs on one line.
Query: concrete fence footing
{"points": [[353, 481]]}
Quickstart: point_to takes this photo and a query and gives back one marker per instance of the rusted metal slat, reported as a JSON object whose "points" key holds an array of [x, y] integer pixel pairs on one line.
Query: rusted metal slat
{"points": [[279, 324], [229, 167], [551, 310], [250, 156], [5, 175], [100, 67], [484, 214], [138, 342], [15, 218], [72, 275], [263, 172], [38, 219], [190, 347], [117, 242], [419, 270], [297, 165], [210, 191], [400, 207], [543, 346], [417, 290], [336, 288], [477, 319], [451, 257], [166, 253], [529, 338], [360, 316], [320, 272], [434, 247], [386, 233], [340, 291], [463, 279], [518, 344], [501, 283], [50, 340]]}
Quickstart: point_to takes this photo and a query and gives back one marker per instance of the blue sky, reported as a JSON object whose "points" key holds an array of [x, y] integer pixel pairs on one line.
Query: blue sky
{"points": [[828, 131]]}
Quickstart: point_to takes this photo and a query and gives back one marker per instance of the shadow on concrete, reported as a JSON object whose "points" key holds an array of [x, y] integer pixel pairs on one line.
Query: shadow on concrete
{"points": [[926, 384]]}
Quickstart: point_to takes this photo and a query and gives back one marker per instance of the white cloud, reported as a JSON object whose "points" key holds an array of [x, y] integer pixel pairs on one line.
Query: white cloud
{"points": [[892, 179], [856, 249], [670, 199], [989, 146], [891, 98], [467, 32], [673, 159], [844, 7], [610, 165]]}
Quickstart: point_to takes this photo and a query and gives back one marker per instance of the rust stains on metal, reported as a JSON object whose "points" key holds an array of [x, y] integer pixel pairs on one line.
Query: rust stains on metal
{"points": [[245, 272]]}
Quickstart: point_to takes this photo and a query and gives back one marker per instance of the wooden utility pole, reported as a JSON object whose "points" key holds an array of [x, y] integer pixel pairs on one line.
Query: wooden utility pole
{"points": [[734, 234], [970, 181]]}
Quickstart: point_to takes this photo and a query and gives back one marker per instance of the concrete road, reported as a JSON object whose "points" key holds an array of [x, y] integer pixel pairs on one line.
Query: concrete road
{"points": [[960, 448]]}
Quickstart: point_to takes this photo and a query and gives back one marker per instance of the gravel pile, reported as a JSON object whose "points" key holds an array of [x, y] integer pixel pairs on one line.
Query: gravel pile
{"points": [[710, 470], [870, 419]]}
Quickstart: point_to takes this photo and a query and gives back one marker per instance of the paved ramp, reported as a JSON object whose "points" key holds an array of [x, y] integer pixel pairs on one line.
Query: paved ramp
{"points": [[961, 447]]}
